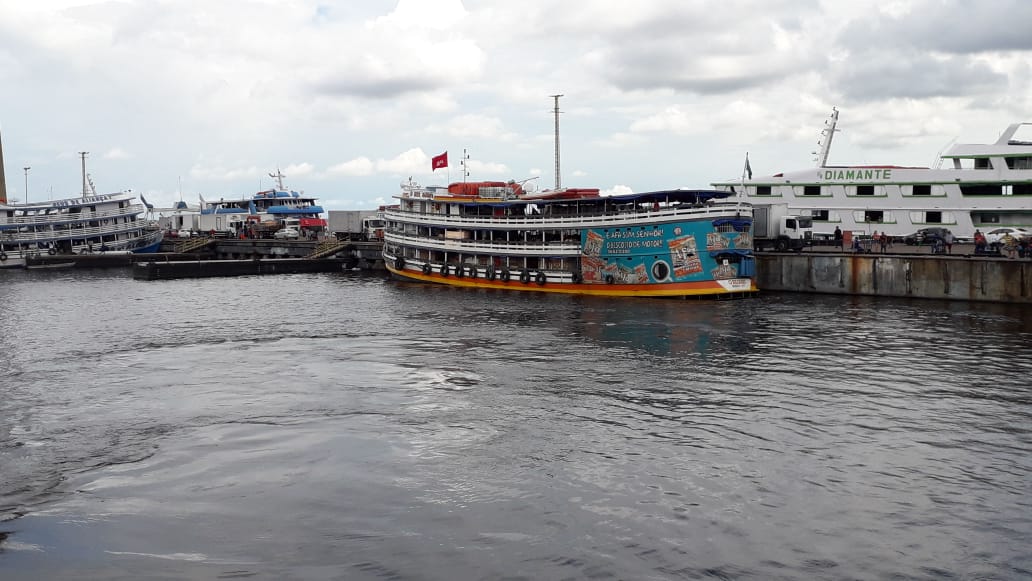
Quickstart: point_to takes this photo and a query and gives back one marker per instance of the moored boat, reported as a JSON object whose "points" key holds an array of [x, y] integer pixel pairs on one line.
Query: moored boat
{"points": [[674, 243], [86, 224], [972, 186], [264, 211]]}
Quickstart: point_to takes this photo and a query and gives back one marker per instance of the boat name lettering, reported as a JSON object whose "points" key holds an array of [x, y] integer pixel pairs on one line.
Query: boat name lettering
{"points": [[77, 201], [858, 174], [625, 247], [624, 234]]}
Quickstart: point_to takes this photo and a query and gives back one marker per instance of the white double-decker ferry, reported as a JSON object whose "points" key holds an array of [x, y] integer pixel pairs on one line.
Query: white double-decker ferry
{"points": [[980, 186]]}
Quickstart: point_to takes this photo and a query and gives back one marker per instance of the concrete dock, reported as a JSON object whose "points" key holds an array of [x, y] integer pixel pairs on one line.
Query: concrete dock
{"points": [[164, 270], [901, 272]]}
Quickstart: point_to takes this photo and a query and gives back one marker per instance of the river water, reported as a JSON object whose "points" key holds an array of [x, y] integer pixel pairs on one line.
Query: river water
{"points": [[342, 426]]}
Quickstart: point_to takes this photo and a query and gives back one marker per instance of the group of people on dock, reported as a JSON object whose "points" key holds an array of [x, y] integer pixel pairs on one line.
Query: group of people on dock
{"points": [[1008, 246]]}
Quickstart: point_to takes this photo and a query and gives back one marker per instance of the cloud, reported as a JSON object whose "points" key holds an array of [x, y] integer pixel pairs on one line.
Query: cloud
{"points": [[116, 153]]}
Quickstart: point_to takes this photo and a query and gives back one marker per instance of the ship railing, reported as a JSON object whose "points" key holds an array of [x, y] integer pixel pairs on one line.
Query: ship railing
{"points": [[493, 247], [68, 217], [540, 221], [60, 233]]}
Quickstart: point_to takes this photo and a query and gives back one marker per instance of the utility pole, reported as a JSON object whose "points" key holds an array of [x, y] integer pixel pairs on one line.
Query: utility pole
{"points": [[558, 179], [83, 155], [26, 168]]}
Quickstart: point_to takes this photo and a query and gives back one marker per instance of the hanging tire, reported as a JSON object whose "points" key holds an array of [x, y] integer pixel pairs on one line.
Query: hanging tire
{"points": [[524, 276], [490, 272], [3, 257], [460, 271], [472, 271], [505, 275], [576, 277], [399, 263], [540, 278], [444, 270], [427, 269], [610, 279]]}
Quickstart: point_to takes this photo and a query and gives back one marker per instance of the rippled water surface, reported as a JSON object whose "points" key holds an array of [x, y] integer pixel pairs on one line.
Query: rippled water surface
{"points": [[345, 427]]}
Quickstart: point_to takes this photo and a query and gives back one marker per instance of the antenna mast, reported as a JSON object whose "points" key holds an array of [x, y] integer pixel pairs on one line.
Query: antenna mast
{"points": [[826, 136], [83, 154], [279, 178], [3, 179], [558, 179]]}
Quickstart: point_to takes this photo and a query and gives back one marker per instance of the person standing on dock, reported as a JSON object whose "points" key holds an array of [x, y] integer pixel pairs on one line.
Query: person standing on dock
{"points": [[948, 240], [838, 237]]}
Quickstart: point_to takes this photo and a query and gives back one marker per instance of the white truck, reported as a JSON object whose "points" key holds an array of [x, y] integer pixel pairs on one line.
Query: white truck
{"points": [[774, 227], [357, 225]]}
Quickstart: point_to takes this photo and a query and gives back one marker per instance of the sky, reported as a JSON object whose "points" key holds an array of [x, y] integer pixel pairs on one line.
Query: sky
{"points": [[176, 99]]}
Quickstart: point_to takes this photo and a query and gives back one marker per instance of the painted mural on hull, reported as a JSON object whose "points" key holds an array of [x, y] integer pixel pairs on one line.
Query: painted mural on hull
{"points": [[660, 254]]}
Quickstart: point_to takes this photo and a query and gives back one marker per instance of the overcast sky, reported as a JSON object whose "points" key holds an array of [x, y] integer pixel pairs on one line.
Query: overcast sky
{"points": [[184, 97]]}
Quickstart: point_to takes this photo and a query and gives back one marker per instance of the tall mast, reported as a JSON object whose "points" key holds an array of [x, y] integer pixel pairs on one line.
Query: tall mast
{"points": [[558, 179], [85, 191], [3, 180], [826, 136], [279, 178]]}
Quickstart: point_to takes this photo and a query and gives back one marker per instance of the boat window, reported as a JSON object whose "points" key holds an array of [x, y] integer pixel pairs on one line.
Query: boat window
{"points": [[811, 190], [933, 217], [922, 190], [983, 163], [819, 215], [1022, 189], [981, 189], [874, 216], [865, 190], [762, 190], [1019, 162]]}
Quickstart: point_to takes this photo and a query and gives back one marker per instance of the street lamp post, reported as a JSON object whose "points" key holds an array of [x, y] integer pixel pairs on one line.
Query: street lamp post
{"points": [[27, 168]]}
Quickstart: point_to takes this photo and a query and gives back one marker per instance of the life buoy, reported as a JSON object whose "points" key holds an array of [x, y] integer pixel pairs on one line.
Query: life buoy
{"points": [[610, 279], [3, 256], [399, 263], [577, 278], [540, 278], [444, 270], [505, 275], [460, 271], [524, 276], [52, 251], [490, 272], [427, 269]]}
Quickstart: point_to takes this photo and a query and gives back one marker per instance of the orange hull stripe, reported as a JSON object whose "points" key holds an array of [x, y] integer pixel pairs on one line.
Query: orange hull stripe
{"points": [[708, 287]]}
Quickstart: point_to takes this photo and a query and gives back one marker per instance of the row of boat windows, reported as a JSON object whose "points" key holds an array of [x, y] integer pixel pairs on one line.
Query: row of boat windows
{"points": [[987, 163], [536, 236], [906, 190], [74, 224], [915, 217], [516, 263]]}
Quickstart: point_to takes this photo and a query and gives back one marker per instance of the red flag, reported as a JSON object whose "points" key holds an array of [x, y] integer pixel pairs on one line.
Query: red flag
{"points": [[439, 161]]}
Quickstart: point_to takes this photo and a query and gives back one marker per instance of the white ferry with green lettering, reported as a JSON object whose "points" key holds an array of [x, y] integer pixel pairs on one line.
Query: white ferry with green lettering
{"points": [[982, 186]]}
